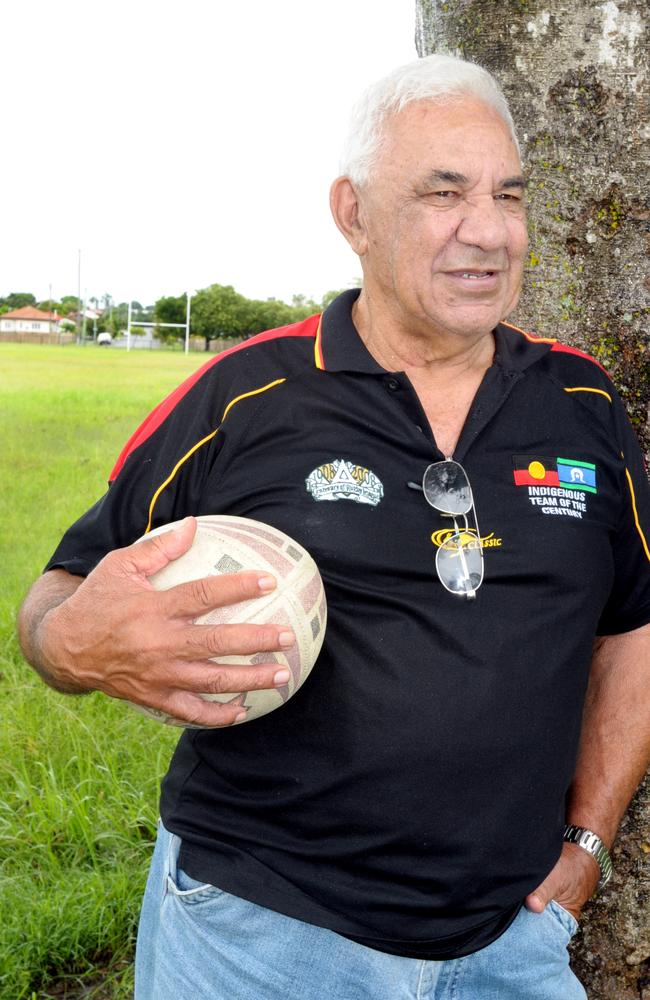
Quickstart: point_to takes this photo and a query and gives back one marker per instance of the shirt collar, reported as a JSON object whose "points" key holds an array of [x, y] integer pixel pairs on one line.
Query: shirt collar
{"points": [[340, 348]]}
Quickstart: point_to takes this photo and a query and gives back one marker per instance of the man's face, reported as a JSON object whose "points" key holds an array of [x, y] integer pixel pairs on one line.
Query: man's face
{"points": [[443, 219]]}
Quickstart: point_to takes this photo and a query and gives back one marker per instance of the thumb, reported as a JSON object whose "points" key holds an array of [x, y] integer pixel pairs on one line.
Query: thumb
{"points": [[150, 554], [543, 894]]}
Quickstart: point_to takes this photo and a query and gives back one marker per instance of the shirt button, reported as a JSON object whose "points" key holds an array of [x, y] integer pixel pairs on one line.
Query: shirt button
{"points": [[392, 384]]}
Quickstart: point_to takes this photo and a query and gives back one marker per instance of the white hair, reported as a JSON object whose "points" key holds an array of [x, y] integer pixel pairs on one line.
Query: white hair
{"points": [[437, 78]]}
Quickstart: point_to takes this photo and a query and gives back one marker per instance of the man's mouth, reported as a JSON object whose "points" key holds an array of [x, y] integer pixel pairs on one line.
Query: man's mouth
{"points": [[476, 274]]}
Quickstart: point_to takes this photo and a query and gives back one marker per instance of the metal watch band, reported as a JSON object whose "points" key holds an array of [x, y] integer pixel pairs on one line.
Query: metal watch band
{"points": [[591, 842]]}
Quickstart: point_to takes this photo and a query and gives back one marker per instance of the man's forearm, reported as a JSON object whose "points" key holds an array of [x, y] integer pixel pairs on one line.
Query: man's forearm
{"points": [[48, 592], [615, 740]]}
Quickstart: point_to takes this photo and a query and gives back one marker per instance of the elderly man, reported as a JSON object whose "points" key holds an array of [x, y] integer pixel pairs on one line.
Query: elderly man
{"points": [[427, 816]]}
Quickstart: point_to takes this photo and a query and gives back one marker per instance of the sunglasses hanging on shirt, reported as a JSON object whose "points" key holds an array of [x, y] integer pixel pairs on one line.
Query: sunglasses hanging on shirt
{"points": [[459, 559]]}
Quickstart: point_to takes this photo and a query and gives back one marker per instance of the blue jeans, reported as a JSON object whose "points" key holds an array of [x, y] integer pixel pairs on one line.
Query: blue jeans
{"points": [[197, 942]]}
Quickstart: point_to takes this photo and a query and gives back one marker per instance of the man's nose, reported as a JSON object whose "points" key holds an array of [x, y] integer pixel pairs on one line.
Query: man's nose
{"points": [[482, 224]]}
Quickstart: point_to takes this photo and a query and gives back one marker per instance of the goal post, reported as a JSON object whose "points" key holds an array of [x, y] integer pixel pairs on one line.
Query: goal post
{"points": [[182, 326]]}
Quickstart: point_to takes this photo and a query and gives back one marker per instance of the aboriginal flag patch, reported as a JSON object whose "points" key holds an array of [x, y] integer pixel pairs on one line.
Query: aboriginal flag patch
{"points": [[535, 470], [545, 470]]}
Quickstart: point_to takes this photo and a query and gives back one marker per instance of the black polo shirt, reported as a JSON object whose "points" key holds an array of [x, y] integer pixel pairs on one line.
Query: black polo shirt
{"points": [[413, 791]]}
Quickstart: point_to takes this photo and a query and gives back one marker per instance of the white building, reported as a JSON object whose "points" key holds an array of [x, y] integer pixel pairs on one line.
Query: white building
{"points": [[30, 320]]}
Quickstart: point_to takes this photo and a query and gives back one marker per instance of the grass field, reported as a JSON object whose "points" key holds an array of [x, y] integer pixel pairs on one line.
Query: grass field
{"points": [[78, 776]]}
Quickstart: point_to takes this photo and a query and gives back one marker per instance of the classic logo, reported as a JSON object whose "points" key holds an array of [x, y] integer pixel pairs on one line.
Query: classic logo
{"points": [[342, 480], [487, 541], [558, 486]]}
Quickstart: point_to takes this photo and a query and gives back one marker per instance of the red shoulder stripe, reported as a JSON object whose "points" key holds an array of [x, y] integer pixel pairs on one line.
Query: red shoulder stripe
{"points": [[307, 328], [563, 349]]}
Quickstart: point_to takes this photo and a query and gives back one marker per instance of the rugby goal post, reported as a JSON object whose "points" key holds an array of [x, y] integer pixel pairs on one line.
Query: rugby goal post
{"points": [[184, 326]]}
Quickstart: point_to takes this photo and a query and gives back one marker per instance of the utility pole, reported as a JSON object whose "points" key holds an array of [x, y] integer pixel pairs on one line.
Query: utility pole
{"points": [[187, 322], [79, 299]]}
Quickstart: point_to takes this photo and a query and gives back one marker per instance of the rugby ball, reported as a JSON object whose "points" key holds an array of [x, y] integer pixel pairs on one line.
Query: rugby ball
{"points": [[225, 544]]}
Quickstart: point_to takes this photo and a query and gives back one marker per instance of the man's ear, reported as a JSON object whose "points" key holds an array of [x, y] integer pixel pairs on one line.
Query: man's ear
{"points": [[346, 209]]}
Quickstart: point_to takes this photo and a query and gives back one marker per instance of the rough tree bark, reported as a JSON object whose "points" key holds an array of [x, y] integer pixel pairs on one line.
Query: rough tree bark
{"points": [[577, 76]]}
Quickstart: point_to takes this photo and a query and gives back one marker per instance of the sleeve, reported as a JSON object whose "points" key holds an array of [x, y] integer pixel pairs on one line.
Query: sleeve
{"points": [[158, 477], [628, 606]]}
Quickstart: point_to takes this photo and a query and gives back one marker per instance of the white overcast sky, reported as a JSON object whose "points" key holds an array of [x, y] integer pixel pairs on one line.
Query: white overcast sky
{"points": [[181, 144]]}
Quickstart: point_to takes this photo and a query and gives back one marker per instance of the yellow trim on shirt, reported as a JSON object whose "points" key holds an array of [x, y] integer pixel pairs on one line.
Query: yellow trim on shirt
{"points": [[531, 336], [199, 444], [318, 354], [586, 388], [253, 392], [636, 515]]}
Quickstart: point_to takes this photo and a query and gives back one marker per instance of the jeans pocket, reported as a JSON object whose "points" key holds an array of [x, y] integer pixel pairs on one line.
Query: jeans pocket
{"points": [[190, 890], [563, 917]]}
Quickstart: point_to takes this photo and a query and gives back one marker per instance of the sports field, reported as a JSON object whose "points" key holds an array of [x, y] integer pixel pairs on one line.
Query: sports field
{"points": [[78, 776]]}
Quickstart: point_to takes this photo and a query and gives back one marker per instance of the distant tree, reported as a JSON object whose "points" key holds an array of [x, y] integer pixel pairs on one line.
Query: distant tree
{"points": [[17, 300], [118, 318], [265, 315], [142, 313], [50, 305], [303, 307], [69, 304], [170, 309], [219, 311]]}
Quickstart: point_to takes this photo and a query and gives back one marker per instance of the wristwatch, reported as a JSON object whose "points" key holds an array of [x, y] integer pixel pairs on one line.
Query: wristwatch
{"points": [[591, 842]]}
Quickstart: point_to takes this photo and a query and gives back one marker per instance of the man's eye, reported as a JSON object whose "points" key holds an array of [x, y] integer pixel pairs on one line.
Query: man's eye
{"points": [[507, 196]]}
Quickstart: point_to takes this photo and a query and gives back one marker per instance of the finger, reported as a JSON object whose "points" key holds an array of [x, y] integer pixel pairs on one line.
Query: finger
{"points": [[146, 557], [190, 600], [190, 709], [208, 641], [226, 678]]}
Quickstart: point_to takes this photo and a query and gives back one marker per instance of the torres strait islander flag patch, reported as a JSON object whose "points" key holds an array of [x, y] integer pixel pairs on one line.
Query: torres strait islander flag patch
{"points": [[556, 485]]}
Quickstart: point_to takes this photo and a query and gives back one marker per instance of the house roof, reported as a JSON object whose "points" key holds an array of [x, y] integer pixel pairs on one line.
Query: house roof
{"points": [[29, 312]]}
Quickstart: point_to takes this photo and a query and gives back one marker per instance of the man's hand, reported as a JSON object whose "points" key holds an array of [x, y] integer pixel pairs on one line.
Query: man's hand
{"points": [[570, 883], [613, 756], [114, 633]]}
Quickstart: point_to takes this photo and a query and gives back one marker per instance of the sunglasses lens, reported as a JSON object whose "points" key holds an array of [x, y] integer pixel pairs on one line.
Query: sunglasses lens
{"points": [[447, 488], [459, 562]]}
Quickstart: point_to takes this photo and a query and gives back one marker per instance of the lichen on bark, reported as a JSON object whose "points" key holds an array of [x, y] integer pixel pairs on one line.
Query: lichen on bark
{"points": [[577, 77]]}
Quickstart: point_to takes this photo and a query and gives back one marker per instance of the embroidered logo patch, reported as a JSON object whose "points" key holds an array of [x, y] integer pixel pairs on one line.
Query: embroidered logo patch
{"points": [[556, 485], [531, 470], [342, 480], [487, 541], [577, 475]]}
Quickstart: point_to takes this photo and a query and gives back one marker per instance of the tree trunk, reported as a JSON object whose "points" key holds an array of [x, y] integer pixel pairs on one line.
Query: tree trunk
{"points": [[577, 77]]}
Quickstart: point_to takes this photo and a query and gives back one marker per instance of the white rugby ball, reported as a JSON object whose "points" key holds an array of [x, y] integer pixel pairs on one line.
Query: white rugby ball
{"points": [[225, 544]]}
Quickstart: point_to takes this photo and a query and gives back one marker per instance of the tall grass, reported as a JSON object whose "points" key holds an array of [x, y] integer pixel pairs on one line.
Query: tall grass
{"points": [[78, 775]]}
